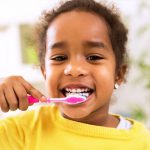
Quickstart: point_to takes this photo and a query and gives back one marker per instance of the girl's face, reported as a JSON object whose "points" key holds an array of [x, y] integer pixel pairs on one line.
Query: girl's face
{"points": [[79, 59]]}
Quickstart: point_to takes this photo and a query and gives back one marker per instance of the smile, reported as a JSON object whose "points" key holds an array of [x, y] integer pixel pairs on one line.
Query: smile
{"points": [[86, 92]]}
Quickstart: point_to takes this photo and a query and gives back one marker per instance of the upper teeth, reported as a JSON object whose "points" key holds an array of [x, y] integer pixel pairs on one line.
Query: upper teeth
{"points": [[77, 90]]}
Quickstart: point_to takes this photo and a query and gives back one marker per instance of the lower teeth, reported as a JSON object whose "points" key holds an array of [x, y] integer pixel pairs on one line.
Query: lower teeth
{"points": [[78, 94]]}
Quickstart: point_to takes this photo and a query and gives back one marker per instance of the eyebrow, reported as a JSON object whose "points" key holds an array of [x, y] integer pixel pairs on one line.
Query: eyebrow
{"points": [[59, 45], [88, 44], [96, 44]]}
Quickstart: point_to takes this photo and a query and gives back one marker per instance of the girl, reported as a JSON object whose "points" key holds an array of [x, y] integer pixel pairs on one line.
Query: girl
{"points": [[82, 51]]}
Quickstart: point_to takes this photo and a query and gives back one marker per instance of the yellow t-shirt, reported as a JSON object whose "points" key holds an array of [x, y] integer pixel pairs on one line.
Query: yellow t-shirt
{"points": [[46, 129]]}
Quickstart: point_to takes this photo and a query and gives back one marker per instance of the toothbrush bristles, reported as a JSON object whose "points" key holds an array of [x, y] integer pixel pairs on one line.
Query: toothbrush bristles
{"points": [[75, 99]]}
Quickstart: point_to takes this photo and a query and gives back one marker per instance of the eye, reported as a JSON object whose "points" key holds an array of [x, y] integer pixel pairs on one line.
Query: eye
{"points": [[94, 58], [59, 58]]}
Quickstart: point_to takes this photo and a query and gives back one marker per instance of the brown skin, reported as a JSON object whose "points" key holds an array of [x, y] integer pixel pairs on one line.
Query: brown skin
{"points": [[75, 37], [78, 54], [13, 93]]}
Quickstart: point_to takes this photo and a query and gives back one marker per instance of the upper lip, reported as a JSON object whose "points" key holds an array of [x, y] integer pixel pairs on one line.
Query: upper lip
{"points": [[76, 85]]}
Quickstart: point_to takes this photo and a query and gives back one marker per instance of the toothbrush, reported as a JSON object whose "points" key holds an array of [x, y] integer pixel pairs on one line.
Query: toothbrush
{"points": [[72, 100]]}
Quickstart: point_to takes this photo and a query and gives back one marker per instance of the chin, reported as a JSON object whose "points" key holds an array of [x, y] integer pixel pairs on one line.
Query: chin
{"points": [[74, 115]]}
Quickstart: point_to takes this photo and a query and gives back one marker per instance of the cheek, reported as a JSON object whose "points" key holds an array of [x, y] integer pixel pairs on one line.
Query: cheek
{"points": [[52, 80], [105, 78]]}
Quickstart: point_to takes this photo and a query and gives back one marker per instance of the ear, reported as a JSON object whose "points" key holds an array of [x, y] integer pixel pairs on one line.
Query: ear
{"points": [[43, 71], [120, 75]]}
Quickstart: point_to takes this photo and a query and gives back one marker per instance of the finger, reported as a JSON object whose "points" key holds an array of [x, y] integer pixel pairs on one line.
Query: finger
{"points": [[21, 94], [11, 98], [30, 104], [33, 91], [3, 103]]}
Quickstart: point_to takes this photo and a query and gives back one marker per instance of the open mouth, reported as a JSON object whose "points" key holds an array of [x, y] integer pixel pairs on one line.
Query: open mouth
{"points": [[85, 92]]}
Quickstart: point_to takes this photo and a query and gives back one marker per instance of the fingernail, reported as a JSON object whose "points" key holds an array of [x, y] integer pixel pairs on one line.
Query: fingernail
{"points": [[43, 99]]}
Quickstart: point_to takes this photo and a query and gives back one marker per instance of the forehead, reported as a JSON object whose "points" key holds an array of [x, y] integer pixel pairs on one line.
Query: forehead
{"points": [[79, 24]]}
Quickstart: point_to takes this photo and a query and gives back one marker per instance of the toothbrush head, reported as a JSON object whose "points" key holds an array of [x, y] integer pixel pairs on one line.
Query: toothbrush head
{"points": [[72, 100]]}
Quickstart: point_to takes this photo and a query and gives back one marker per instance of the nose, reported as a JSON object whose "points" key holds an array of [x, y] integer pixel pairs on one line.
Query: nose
{"points": [[76, 69]]}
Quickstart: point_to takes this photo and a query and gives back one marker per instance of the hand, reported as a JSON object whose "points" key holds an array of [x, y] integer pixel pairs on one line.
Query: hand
{"points": [[13, 93]]}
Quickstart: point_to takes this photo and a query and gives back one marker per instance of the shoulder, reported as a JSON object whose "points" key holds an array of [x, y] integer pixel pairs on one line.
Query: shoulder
{"points": [[137, 129], [140, 132]]}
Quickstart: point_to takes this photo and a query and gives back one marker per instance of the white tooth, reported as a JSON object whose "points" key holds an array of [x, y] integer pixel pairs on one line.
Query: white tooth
{"points": [[82, 90], [70, 93], [67, 89], [81, 94], [74, 94], [73, 90], [86, 90], [86, 94], [79, 90], [67, 94]]}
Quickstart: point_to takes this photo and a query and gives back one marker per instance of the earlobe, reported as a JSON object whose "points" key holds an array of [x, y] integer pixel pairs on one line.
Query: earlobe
{"points": [[120, 76], [116, 86], [43, 71]]}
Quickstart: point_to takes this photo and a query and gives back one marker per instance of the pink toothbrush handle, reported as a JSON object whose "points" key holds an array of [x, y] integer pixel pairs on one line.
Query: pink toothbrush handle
{"points": [[68, 100], [32, 100]]}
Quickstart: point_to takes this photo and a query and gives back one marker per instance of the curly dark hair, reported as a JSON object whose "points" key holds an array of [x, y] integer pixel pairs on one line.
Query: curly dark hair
{"points": [[117, 30]]}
